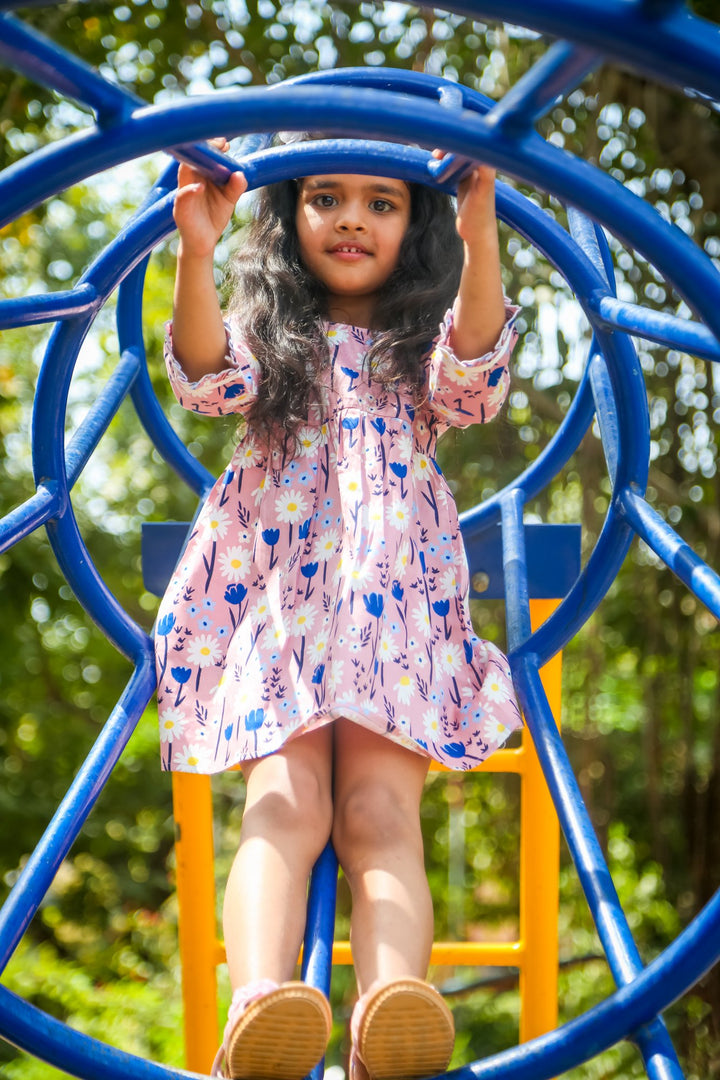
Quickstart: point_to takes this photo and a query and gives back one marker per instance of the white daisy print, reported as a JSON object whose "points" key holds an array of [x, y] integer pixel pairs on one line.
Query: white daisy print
{"points": [[172, 723], [373, 514], [190, 758], [492, 731], [335, 679], [494, 689], [307, 439], [431, 722], [291, 506], [448, 584], [449, 657], [326, 545], [273, 637], [402, 559], [359, 575], [387, 647], [458, 373], [421, 618], [398, 514], [404, 447], [261, 489], [351, 484], [235, 563], [248, 453], [317, 651], [260, 611], [422, 467], [218, 522], [405, 689], [303, 618], [337, 335], [204, 650]]}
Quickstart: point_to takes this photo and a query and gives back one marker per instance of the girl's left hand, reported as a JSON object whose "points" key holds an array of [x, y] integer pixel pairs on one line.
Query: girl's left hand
{"points": [[479, 308], [475, 203]]}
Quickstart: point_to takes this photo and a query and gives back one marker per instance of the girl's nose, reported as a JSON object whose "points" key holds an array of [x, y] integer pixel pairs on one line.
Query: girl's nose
{"points": [[351, 220]]}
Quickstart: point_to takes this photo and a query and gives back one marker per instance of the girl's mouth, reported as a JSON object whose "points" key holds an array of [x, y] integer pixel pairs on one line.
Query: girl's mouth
{"points": [[349, 251]]}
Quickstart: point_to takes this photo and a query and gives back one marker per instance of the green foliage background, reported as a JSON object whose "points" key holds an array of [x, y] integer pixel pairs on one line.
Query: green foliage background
{"points": [[641, 687]]}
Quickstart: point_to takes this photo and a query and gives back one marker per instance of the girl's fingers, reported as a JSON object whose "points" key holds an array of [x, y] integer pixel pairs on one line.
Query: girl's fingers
{"points": [[186, 175], [236, 185]]}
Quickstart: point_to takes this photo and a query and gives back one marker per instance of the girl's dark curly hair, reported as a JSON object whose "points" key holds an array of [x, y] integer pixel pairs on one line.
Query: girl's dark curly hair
{"points": [[279, 306]]}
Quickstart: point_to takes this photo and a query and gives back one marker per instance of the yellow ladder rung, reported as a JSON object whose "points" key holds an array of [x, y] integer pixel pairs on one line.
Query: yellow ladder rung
{"points": [[444, 953], [502, 761]]}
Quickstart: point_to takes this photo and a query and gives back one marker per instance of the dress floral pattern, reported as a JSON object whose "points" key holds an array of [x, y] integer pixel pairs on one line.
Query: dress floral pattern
{"points": [[333, 583]]}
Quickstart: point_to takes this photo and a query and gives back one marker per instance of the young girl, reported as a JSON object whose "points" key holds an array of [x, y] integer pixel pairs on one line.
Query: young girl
{"points": [[317, 628]]}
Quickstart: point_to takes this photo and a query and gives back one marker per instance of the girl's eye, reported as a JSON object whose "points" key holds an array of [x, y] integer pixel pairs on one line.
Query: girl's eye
{"points": [[381, 206], [325, 201]]}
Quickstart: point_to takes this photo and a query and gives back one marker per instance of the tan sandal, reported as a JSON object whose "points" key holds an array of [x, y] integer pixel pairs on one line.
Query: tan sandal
{"points": [[274, 1032], [402, 1031]]}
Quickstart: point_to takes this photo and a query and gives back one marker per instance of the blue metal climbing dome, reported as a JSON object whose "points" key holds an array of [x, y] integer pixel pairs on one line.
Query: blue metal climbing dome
{"points": [[660, 38]]}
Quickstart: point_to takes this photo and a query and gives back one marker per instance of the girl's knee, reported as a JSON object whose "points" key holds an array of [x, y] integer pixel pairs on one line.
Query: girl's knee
{"points": [[372, 817], [295, 806]]}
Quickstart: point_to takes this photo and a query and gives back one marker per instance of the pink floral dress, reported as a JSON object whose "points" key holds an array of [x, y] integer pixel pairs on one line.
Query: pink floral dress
{"points": [[333, 583]]}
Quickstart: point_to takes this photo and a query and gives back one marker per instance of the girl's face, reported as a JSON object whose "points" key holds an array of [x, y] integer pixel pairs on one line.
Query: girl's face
{"points": [[350, 229]]}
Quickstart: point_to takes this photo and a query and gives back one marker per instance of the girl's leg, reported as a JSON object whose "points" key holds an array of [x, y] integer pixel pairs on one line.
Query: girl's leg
{"points": [[285, 826], [377, 837]]}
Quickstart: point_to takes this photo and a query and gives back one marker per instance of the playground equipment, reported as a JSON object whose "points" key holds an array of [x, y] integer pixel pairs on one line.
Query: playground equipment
{"points": [[658, 37]]}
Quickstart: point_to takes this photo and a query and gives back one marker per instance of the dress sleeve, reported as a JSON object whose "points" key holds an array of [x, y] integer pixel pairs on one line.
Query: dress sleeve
{"points": [[464, 392], [232, 390]]}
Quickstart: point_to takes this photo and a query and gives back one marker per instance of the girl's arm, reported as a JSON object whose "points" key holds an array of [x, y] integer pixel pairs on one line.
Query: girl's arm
{"points": [[479, 311], [202, 210]]}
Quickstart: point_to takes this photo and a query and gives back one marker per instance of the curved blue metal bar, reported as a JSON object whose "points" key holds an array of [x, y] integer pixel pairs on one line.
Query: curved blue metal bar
{"points": [[413, 83], [612, 926], [30, 515], [320, 930], [151, 415], [49, 467], [677, 555], [63, 304], [50, 461], [97, 421], [628, 459], [585, 271], [556, 73], [670, 42], [666, 41], [31, 53], [376, 114], [658, 326], [40, 869]]}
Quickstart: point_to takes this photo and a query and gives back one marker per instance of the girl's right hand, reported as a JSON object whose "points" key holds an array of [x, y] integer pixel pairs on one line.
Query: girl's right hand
{"points": [[202, 209]]}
